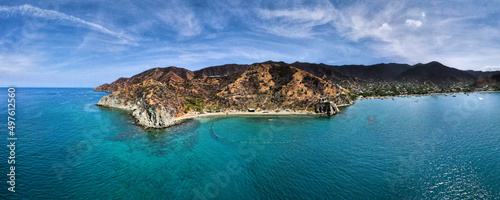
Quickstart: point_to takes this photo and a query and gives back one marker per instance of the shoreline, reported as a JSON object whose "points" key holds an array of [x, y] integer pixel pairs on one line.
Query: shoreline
{"points": [[183, 118], [243, 113], [284, 112]]}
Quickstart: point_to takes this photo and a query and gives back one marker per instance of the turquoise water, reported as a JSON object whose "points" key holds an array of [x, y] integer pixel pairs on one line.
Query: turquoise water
{"points": [[430, 147]]}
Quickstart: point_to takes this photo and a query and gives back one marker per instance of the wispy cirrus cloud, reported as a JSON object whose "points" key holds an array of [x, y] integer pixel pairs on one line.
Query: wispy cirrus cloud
{"points": [[33, 11], [296, 22], [180, 18]]}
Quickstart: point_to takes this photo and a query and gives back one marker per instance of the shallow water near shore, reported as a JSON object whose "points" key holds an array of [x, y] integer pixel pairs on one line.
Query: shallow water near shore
{"points": [[408, 148]]}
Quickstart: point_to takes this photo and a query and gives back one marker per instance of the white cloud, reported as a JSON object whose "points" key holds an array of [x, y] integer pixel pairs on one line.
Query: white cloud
{"points": [[359, 22], [491, 68], [295, 22], [385, 27], [413, 23], [382, 31], [180, 18], [29, 10], [298, 15]]}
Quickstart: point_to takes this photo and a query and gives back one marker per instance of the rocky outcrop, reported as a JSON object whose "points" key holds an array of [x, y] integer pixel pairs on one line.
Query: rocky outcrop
{"points": [[327, 107], [343, 99], [151, 104]]}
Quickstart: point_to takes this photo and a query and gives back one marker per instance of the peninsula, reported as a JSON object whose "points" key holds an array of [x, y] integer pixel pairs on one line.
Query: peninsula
{"points": [[161, 97]]}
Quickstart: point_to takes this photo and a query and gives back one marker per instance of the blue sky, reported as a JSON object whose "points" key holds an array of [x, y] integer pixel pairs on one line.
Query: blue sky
{"points": [[86, 43]]}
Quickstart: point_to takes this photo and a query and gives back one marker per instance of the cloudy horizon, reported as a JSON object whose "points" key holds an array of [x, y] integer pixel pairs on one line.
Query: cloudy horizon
{"points": [[85, 44]]}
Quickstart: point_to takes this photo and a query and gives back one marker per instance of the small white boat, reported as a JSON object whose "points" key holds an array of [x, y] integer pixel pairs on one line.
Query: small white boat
{"points": [[481, 99]]}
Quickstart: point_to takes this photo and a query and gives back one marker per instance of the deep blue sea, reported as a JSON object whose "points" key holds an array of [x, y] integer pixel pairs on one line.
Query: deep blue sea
{"points": [[429, 147]]}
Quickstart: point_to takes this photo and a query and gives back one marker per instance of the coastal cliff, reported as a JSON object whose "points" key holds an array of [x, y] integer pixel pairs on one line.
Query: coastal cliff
{"points": [[157, 97], [151, 104]]}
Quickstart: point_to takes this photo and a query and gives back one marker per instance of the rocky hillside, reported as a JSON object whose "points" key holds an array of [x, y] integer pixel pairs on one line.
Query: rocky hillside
{"points": [[168, 74], [172, 75], [345, 75], [157, 96], [326, 72], [277, 86], [151, 103]]}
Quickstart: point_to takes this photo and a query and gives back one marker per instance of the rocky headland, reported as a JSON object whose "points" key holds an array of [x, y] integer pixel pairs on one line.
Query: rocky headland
{"points": [[158, 97]]}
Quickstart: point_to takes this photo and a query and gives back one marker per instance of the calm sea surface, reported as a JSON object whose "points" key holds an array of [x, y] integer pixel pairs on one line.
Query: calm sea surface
{"points": [[429, 147]]}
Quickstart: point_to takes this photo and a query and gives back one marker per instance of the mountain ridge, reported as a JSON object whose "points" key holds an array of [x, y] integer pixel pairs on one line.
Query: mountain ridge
{"points": [[382, 72], [434, 72], [158, 96]]}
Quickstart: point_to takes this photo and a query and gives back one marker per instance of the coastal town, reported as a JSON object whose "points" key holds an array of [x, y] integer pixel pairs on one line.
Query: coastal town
{"points": [[382, 89]]}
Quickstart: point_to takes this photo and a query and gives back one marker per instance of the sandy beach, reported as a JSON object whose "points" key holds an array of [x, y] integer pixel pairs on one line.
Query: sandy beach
{"points": [[237, 113], [240, 113]]}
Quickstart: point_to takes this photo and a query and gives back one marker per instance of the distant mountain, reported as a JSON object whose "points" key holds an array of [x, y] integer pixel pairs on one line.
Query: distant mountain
{"points": [[493, 80], [481, 74], [434, 72], [221, 70], [378, 72]]}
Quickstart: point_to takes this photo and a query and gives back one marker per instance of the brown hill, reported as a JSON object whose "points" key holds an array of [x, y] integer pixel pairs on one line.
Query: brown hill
{"points": [[167, 74], [273, 86], [158, 95], [172, 74]]}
